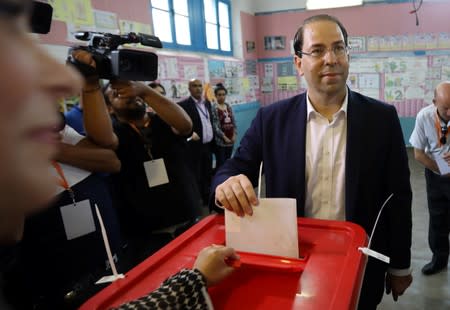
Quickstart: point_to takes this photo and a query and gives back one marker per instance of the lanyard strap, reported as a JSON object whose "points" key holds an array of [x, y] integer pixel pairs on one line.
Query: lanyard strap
{"points": [[439, 127], [205, 113], [62, 181], [146, 144]]}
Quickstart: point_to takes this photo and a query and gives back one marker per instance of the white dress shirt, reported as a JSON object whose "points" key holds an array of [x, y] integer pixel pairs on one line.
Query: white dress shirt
{"points": [[325, 163], [326, 144], [425, 137]]}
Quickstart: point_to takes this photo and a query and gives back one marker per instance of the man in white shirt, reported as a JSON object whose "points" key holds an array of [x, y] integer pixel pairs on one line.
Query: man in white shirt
{"points": [[431, 142], [339, 153]]}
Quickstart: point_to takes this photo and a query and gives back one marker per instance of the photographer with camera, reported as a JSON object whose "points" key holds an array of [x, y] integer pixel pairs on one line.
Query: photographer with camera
{"points": [[148, 142], [147, 147]]}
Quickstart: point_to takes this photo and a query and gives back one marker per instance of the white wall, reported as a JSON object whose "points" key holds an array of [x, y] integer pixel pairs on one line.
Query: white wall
{"points": [[278, 5], [261, 6], [238, 6]]}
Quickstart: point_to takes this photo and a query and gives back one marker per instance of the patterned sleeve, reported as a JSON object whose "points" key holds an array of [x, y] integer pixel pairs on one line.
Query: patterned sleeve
{"points": [[216, 122], [232, 117], [184, 290]]}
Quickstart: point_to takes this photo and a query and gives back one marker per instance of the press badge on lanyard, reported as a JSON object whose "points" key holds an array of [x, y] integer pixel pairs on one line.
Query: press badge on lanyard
{"points": [[156, 172], [77, 217]]}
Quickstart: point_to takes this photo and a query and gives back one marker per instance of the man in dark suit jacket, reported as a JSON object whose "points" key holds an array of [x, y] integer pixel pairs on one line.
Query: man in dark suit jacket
{"points": [[339, 153], [202, 139]]}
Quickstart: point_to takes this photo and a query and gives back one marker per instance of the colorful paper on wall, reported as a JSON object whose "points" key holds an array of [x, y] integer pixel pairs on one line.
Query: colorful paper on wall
{"points": [[287, 83], [61, 10], [82, 13]]}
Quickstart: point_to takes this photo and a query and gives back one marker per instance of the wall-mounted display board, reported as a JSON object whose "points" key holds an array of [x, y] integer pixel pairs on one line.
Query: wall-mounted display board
{"points": [[405, 78]]}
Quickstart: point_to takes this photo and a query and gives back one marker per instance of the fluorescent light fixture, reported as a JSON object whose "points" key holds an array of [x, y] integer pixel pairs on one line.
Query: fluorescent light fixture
{"points": [[329, 4]]}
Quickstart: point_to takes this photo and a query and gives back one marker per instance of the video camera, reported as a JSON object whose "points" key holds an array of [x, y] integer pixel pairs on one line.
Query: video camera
{"points": [[115, 62]]}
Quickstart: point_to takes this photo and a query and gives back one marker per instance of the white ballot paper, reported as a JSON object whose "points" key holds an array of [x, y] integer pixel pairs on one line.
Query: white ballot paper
{"points": [[272, 229], [444, 168]]}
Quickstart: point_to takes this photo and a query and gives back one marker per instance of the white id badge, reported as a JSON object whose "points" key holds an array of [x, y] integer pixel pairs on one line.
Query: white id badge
{"points": [[78, 219], [156, 172]]}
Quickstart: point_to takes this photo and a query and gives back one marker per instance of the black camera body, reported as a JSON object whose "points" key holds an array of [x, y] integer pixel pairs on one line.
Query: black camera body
{"points": [[116, 62]]}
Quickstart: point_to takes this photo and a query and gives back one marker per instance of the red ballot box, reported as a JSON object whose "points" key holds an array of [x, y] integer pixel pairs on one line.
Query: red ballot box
{"points": [[328, 274]]}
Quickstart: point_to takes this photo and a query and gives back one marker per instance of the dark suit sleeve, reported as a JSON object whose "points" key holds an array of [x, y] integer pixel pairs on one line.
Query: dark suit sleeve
{"points": [[188, 106], [246, 159], [399, 209]]}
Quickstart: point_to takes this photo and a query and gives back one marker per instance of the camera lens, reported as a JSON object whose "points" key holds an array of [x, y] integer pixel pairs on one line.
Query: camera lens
{"points": [[126, 65]]}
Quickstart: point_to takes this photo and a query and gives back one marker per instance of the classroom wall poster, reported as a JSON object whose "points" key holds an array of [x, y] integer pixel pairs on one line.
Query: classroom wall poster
{"points": [[216, 68], [61, 10], [82, 13], [127, 26], [268, 70], [190, 72], [250, 67], [357, 44], [287, 83], [369, 80], [106, 22], [352, 81], [274, 42], [267, 85], [286, 69]]}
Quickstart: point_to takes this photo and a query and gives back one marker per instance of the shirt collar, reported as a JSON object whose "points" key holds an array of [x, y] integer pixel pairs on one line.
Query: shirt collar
{"points": [[197, 101], [310, 109], [438, 117]]}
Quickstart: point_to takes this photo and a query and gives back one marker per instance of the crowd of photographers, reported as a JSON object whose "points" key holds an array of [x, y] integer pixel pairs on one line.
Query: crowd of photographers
{"points": [[135, 154]]}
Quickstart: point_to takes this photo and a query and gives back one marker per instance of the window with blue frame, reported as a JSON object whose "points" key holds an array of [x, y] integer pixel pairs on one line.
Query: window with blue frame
{"points": [[194, 25]]}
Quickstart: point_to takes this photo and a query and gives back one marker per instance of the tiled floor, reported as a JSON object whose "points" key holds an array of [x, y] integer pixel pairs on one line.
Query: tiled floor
{"points": [[426, 292]]}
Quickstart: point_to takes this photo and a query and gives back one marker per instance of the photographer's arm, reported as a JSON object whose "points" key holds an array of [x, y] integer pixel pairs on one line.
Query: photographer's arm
{"points": [[168, 111], [96, 119], [88, 156]]}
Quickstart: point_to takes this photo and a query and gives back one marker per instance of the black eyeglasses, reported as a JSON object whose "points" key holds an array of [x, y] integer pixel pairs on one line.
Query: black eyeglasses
{"points": [[444, 130], [321, 51]]}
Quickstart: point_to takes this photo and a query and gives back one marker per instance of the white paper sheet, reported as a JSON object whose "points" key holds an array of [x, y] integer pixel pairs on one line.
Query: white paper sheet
{"points": [[272, 229], [444, 168]]}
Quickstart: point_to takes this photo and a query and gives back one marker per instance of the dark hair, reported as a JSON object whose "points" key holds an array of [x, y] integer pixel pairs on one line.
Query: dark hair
{"points": [[218, 87], [298, 38], [156, 84]]}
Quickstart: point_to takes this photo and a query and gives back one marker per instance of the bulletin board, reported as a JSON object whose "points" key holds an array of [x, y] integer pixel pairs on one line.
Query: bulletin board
{"points": [[174, 73], [279, 80], [239, 78], [400, 70]]}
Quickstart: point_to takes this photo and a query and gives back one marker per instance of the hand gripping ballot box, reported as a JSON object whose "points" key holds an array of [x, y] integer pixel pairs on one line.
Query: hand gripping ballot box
{"points": [[328, 274]]}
